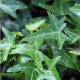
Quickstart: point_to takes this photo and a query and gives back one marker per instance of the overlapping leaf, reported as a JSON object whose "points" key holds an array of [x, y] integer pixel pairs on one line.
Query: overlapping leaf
{"points": [[73, 19], [10, 6], [75, 52], [58, 7], [30, 61], [39, 44], [28, 68], [7, 43], [54, 31], [31, 51], [76, 9], [35, 25], [18, 33], [74, 34], [66, 58], [63, 7], [51, 73], [24, 58]]}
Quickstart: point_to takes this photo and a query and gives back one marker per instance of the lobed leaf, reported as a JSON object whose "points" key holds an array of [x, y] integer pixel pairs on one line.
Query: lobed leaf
{"points": [[31, 51], [54, 31], [76, 9], [35, 25], [7, 43], [58, 7], [10, 7], [74, 34], [28, 68]]}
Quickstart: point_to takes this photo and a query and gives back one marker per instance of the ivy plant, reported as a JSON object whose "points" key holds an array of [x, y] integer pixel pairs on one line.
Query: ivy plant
{"points": [[10, 7], [46, 47]]}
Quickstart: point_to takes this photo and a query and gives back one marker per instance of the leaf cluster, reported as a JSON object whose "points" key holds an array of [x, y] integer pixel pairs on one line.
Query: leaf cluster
{"points": [[47, 46]]}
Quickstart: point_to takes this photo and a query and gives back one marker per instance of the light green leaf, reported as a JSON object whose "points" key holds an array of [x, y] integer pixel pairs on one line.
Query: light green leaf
{"points": [[75, 52], [7, 43], [37, 44], [73, 19], [51, 73], [27, 68], [24, 58], [23, 49], [31, 51], [10, 6], [34, 26], [74, 34], [54, 31], [76, 9], [17, 33]]}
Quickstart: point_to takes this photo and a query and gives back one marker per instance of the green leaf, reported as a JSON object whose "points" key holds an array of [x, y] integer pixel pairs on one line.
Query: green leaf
{"points": [[24, 59], [76, 9], [58, 7], [37, 44], [31, 51], [51, 73], [34, 26], [28, 68], [13, 75], [25, 32], [7, 63], [74, 34], [17, 33], [73, 19], [23, 49], [54, 31], [75, 52], [66, 58], [47, 46], [10, 7], [7, 43], [73, 78]]}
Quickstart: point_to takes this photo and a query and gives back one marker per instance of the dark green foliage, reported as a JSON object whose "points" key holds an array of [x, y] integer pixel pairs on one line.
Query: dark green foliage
{"points": [[47, 46]]}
